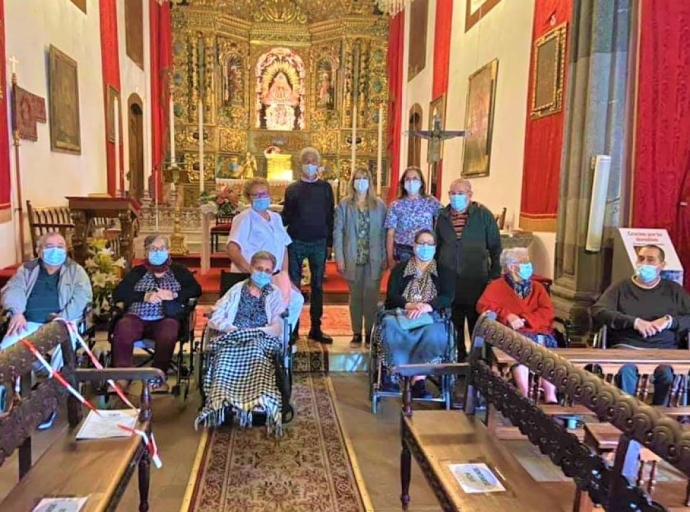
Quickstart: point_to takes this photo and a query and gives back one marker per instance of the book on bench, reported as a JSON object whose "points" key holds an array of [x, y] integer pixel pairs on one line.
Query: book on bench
{"points": [[60, 504], [107, 424]]}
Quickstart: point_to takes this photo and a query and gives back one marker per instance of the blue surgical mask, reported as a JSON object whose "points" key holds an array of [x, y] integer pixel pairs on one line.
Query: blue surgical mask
{"points": [[260, 278], [425, 252], [54, 256], [158, 257], [646, 273], [525, 271], [361, 185], [261, 204], [459, 202], [413, 186], [310, 169]]}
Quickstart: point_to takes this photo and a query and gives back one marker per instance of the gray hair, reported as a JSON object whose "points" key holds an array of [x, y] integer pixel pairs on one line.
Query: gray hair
{"points": [[512, 256], [263, 256], [44, 238], [462, 181], [149, 240], [310, 151]]}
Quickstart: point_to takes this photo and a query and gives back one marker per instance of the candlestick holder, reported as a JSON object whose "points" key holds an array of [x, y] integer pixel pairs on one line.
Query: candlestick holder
{"points": [[178, 246]]}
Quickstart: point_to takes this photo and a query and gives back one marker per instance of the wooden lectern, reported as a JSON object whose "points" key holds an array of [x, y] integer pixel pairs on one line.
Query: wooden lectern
{"points": [[89, 213]]}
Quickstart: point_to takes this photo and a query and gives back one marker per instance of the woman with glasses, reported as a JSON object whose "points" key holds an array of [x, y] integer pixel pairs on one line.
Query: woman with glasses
{"points": [[359, 244], [259, 229], [412, 331], [413, 210], [154, 295]]}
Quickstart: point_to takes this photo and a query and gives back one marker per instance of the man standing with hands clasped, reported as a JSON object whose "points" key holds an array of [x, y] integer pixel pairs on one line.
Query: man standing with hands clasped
{"points": [[308, 215]]}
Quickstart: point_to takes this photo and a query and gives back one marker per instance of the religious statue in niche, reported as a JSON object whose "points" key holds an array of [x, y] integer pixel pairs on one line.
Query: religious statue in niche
{"points": [[233, 81], [280, 89], [325, 94]]}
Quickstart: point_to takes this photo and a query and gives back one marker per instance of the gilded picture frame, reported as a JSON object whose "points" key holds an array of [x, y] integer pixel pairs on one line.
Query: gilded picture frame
{"points": [[475, 10], [479, 120], [113, 94], [548, 71], [63, 94]]}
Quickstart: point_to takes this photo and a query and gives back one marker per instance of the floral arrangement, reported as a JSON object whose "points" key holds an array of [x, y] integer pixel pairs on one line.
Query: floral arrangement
{"points": [[105, 273], [270, 150], [222, 202]]}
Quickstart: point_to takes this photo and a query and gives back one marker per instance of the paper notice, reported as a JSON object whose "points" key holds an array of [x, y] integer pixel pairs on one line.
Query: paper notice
{"points": [[106, 424], [476, 478], [60, 504]]}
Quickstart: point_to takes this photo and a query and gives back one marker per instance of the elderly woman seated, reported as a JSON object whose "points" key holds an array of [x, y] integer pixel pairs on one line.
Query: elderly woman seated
{"points": [[413, 332], [524, 305], [154, 295], [245, 336]]}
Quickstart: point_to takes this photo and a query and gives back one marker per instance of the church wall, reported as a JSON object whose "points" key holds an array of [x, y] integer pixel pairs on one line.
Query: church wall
{"points": [[505, 33], [48, 176]]}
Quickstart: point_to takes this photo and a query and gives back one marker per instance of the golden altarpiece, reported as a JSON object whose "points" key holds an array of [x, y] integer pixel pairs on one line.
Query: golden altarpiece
{"points": [[273, 77]]}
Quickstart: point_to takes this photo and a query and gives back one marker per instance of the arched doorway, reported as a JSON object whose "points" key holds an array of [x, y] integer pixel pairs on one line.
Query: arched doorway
{"points": [[414, 143], [135, 114]]}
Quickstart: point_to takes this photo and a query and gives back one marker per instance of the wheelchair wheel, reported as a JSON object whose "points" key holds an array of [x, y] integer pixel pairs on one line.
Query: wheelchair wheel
{"points": [[374, 403], [288, 414]]}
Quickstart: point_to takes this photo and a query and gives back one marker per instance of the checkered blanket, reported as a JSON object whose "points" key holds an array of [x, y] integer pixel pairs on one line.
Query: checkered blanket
{"points": [[241, 377]]}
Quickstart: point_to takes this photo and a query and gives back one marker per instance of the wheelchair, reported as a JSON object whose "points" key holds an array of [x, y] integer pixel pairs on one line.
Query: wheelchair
{"points": [[282, 362], [379, 374], [183, 370]]}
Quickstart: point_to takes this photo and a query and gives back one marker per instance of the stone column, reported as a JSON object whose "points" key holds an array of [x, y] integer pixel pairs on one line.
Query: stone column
{"points": [[596, 123]]}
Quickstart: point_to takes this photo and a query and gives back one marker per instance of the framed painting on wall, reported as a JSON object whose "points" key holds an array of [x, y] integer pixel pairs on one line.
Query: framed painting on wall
{"points": [[81, 4], [63, 95], [548, 71], [419, 17], [113, 94], [479, 114], [475, 10]]}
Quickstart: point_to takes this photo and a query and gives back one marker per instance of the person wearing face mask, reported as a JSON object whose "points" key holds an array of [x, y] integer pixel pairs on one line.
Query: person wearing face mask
{"points": [[259, 229], [153, 295], [469, 245], [308, 213], [417, 290], [245, 337], [359, 243], [52, 286], [524, 305], [645, 311], [412, 211]]}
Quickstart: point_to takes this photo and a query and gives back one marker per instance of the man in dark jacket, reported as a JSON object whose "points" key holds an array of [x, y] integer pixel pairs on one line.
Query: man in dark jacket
{"points": [[469, 243]]}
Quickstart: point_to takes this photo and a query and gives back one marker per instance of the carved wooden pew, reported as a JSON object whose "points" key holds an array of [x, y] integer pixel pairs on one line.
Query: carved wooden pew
{"points": [[100, 469], [438, 438], [46, 220]]}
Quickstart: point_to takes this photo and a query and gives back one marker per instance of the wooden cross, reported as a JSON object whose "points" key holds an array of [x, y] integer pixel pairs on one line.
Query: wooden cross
{"points": [[436, 136]]}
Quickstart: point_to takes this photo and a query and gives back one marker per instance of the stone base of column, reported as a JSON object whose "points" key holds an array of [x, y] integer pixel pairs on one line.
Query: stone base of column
{"points": [[574, 306]]}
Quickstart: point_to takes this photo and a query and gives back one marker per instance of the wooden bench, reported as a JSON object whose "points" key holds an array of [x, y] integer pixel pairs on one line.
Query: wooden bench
{"points": [[51, 219], [439, 438], [100, 469]]}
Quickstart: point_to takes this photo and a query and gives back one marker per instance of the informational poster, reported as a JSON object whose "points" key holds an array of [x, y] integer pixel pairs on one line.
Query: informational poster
{"points": [[107, 424], [629, 241], [60, 504], [476, 478]]}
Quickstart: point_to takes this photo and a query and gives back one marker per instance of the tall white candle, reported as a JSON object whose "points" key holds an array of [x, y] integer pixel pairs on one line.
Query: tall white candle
{"points": [[116, 127], [354, 137], [201, 146], [172, 132], [379, 160]]}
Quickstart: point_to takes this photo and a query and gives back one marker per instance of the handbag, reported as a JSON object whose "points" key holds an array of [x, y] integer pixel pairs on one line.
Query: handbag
{"points": [[172, 309], [409, 324]]}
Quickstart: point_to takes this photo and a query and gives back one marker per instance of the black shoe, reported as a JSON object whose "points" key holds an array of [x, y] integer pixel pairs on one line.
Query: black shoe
{"points": [[419, 390], [319, 336], [356, 341]]}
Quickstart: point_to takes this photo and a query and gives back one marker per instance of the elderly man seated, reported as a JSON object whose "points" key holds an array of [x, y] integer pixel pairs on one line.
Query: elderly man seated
{"points": [[524, 305], [645, 311], [51, 286], [259, 229]]}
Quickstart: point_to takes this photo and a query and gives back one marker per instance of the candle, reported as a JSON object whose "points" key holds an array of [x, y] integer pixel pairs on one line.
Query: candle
{"points": [[201, 146], [13, 63], [353, 157], [172, 132], [116, 128], [379, 161]]}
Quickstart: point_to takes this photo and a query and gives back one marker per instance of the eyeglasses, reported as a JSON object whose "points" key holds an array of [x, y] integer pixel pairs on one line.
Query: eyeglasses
{"points": [[158, 249], [259, 195]]}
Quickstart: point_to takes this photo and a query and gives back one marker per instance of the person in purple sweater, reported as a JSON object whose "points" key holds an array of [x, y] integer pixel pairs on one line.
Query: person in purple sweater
{"points": [[308, 213]]}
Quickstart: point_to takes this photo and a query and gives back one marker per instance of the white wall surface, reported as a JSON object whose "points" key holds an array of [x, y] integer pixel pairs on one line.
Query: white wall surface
{"points": [[47, 177], [505, 33]]}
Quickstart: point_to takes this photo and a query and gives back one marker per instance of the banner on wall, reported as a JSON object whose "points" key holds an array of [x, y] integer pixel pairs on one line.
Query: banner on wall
{"points": [[627, 243]]}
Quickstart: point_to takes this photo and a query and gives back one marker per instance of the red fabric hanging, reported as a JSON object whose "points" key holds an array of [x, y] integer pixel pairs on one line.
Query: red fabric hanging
{"points": [[396, 48], [110, 63], [5, 172], [543, 136], [661, 173], [161, 60], [442, 34]]}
